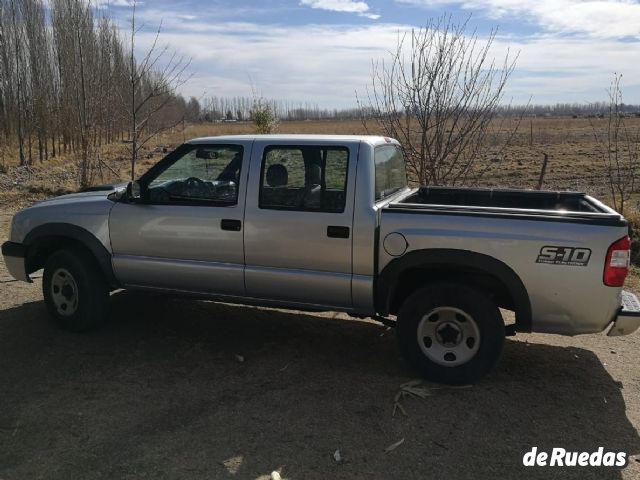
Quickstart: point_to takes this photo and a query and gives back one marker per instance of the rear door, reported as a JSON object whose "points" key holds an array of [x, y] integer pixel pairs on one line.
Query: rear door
{"points": [[298, 222]]}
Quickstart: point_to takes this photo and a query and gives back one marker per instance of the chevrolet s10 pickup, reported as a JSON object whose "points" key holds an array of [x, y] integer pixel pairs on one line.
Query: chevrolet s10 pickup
{"points": [[311, 222]]}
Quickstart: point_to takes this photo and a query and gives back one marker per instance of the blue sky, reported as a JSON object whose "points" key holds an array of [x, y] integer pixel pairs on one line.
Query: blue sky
{"points": [[320, 51]]}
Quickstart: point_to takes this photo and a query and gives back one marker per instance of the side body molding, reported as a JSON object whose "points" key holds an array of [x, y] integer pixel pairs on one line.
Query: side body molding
{"points": [[461, 260], [41, 236]]}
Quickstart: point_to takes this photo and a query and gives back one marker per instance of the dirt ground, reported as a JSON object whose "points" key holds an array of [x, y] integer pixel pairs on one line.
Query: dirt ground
{"points": [[161, 393]]}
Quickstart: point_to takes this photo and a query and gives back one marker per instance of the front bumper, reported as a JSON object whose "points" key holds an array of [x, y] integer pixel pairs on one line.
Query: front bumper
{"points": [[15, 255], [628, 319]]}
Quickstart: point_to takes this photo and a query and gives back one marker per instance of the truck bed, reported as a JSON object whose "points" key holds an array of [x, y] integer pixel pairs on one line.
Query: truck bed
{"points": [[515, 228], [529, 204]]}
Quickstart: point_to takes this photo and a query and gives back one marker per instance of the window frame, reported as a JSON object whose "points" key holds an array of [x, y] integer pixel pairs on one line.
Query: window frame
{"points": [[263, 162], [156, 170]]}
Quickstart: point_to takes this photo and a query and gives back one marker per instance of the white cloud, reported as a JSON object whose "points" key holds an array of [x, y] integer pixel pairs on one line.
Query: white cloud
{"points": [[115, 3], [312, 63], [348, 6], [558, 69], [326, 64], [337, 5], [598, 18]]}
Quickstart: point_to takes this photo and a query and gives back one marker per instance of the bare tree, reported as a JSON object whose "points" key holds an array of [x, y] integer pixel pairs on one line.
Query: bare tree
{"points": [[66, 83], [438, 95], [18, 69], [618, 149], [153, 82], [39, 75], [78, 60]]}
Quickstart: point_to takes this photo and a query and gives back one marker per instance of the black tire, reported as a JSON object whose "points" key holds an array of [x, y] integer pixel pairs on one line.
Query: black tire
{"points": [[476, 307], [87, 290]]}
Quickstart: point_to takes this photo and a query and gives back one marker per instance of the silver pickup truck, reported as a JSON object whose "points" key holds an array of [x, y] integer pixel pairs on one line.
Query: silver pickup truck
{"points": [[330, 223]]}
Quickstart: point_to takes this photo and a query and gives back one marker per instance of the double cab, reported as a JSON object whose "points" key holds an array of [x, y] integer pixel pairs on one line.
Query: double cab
{"points": [[312, 222]]}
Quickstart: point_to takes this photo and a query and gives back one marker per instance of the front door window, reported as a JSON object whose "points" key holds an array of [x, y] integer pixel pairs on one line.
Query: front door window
{"points": [[202, 174]]}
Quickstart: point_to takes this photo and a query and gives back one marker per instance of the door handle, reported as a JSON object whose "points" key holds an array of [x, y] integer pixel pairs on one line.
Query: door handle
{"points": [[229, 224], [334, 231]]}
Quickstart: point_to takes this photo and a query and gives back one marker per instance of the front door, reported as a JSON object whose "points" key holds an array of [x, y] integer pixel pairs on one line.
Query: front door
{"points": [[298, 221], [186, 232]]}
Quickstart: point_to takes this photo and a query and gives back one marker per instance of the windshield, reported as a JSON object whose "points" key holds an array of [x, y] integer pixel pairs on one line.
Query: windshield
{"points": [[391, 175]]}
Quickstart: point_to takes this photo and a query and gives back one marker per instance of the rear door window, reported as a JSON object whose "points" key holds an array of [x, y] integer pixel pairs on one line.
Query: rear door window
{"points": [[306, 178]]}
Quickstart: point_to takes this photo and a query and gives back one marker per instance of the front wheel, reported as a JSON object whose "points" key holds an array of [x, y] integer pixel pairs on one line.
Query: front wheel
{"points": [[75, 291], [450, 333]]}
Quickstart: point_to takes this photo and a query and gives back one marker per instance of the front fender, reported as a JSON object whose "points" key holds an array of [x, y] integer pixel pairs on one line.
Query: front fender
{"points": [[40, 238]]}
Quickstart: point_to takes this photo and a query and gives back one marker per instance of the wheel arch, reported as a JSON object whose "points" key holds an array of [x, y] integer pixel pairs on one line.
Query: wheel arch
{"points": [[403, 275], [45, 239]]}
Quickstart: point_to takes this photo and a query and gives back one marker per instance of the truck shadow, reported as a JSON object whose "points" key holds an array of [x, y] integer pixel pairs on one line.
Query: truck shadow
{"points": [[180, 389]]}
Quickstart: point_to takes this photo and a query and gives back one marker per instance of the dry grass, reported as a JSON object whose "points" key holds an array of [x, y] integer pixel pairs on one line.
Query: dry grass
{"points": [[570, 144]]}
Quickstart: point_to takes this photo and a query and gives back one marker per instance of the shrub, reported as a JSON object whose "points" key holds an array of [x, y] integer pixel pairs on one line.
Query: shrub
{"points": [[263, 116]]}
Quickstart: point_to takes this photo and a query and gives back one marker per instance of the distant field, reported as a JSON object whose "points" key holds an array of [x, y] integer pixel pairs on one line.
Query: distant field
{"points": [[570, 144]]}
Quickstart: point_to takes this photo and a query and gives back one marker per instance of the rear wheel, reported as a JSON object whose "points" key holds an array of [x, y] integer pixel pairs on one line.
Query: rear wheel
{"points": [[75, 291], [450, 333]]}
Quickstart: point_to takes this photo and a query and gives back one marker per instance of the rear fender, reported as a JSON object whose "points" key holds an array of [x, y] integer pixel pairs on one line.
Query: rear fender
{"points": [[451, 259]]}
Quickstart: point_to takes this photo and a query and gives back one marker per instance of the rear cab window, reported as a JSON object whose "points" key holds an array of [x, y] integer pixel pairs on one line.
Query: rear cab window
{"points": [[390, 171]]}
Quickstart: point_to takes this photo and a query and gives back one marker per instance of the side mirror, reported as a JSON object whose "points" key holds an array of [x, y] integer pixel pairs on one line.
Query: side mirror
{"points": [[133, 191]]}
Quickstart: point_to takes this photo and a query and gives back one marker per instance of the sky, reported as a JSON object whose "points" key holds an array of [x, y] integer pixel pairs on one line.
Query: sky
{"points": [[321, 51]]}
